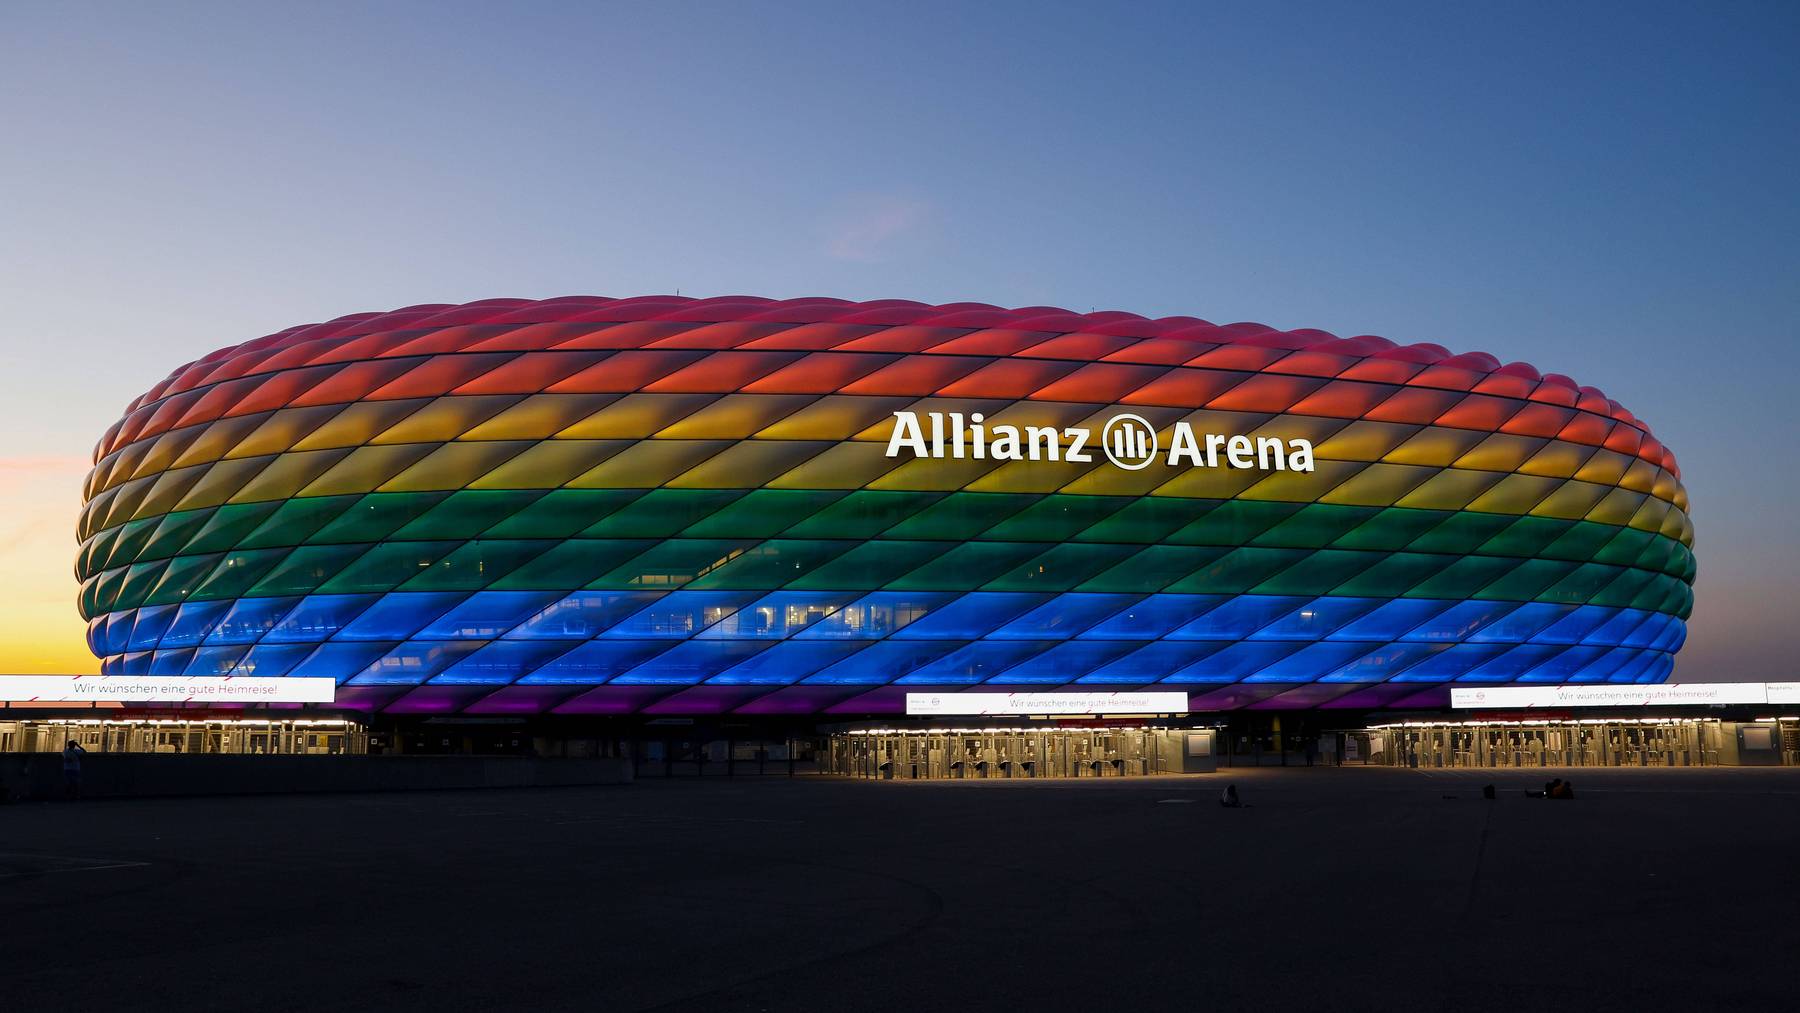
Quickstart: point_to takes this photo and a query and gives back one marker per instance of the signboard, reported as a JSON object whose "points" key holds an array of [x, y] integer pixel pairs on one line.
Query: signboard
{"points": [[1126, 440], [1665, 694], [969, 704], [1783, 692], [164, 689]]}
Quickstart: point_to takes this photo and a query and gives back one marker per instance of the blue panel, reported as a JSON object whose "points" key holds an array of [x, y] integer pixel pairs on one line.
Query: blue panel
{"points": [[1670, 641], [690, 663], [192, 623], [502, 661], [778, 615], [271, 659], [1063, 616], [1153, 662], [595, 662], [1392, 620], [214, 660], [971, 616], [1521, 623], [339, 661], [784, 664], [485, 615], [582, 615], [876, 615], [96, 635], [680, 615], [1064, 663], [1316, 618], [118, 631], [112, 665], [249, 619], [400, 615], [1310, 663], [1567, 666], [411, 663], [1634, 668], [1572, 627], [1651, 628], [152, 622], [171, 662], [1238, 618], [1234, 663], [318, 617], [1154, 617], [137, 663], [1514, 663], [882, 663], [1613, 632], [1396, 662], [976, 662], [1660, 666], [1602, 668], [1459, 621], [1452, 663]]}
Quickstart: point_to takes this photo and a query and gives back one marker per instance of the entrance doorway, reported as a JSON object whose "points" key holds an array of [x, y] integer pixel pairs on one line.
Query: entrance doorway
{"points": [[976, 753]]}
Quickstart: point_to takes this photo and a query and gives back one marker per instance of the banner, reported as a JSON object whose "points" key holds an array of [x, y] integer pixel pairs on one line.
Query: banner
{"points": [[163, 689], [1629, 695], [974, 704]]}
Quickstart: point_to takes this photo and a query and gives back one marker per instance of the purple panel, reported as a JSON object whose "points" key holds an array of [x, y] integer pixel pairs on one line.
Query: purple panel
{"points": [[1236, 696], [613, 700], [1311, 695], [1434, 697], [798, 700], [366, 698], [523, 700], [436, 700], [885, 699], [706, 700], [1370, 697]]}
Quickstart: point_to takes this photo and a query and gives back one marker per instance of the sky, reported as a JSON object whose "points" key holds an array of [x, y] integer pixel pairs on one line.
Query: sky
{"points": [[1603, 190]]}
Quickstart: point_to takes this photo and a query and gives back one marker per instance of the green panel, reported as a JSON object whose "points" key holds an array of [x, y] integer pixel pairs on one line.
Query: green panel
{"points": [[864, 514], [1654, 592], [962, 515], [1462, 532], [1239, 570], [1678, 601], [1464, 577], [1656, 555], [385, 565], [1154, 568], [1527, 580], [1149, 519], [296, 520], [1316, 526], [1686, 568], [181, 578], [467, 513], [1582, 542], [236, 572], [562, 513], [139, 579], [1394, 576], [573, 563], [1392, 529], [1062, 567], [175, 531], [1057, 518], [673, 563], [968, 566], [872, 565], [129, 541], [87, 603], [1586, 581], [1527, 536], [1235, 522], [661, 513], [305, 569], [228, 525], [764, 513], [477, 564], [1319, 572], [774, 563], [376, 516], [1626, 546]]}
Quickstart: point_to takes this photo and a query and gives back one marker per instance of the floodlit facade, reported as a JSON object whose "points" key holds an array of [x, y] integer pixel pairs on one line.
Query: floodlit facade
{"points": [[668, 505]]}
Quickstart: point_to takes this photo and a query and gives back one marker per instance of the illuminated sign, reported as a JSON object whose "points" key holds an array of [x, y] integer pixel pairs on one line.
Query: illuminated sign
{"points": [[969, 704], [164, 689], [1653, 695], [1128, 441]]}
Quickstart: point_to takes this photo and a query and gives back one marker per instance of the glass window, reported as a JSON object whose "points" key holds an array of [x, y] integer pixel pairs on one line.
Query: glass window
{"points": [[398, 616], [1061, 567], [237, 571], [661, 513], [1239, 570], [864, 514], [777, 615], [1602, 668], [582, 614], [214, 660], [297, 519], [968, 566], [973, 615], [384, 566], [376, 516], [1648, 631], [576, 562], [961, 516], [670, 564], [476, 564], [1148, 519], [764, 513], [594, 662], [318, 617], [680, 615], [1057, 518], [1064, 616], [227, 526], [1565, 666], [771, 564], [1238, 618], [874, 616]]}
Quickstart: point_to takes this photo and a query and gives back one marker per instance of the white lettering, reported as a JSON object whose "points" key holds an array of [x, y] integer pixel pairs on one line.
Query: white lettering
{"points": [[1238, 452], [906, 434]]}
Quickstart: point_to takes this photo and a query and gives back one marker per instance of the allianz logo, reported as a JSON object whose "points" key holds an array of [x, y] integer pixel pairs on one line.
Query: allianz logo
{"points": [[1126, 440]]}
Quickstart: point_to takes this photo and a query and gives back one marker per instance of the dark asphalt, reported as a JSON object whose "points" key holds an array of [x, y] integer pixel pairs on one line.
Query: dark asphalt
{"points": [[1340, 890]]}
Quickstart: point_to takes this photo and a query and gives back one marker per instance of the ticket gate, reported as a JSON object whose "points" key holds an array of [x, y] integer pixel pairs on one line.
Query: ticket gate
{"points": [[973, 754]]}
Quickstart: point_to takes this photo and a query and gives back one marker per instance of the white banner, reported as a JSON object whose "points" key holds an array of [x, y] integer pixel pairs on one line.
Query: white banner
{"points": [[164, 689], [1601, 695], [968, 704], [1784, 692]]}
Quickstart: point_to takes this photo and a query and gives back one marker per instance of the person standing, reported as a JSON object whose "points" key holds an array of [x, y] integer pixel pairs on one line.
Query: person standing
{"points": [[71, 759]]}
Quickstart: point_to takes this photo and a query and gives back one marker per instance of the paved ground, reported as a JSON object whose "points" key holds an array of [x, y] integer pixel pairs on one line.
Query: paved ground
{"points": [[1337, 890]]}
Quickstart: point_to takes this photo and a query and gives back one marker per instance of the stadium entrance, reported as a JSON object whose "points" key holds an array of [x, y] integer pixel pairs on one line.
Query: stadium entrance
{"points": [[1598, 742], [974, 753]]}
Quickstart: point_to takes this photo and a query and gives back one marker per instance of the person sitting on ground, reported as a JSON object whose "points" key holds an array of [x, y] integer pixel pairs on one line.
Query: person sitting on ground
{"points": [[1564, 789], [1550, 788], [1229, 798]]}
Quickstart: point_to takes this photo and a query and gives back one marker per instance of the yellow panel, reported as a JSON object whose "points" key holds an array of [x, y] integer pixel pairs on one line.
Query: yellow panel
{"points": [[540, 417], [734, 417], [1363, 441], [94, 512], [289, 474], [1031, 476], [130, 496], [1057, 414], [454, 465], [883, 427], [837, 417], [1514, 494], [1640, 477], [1616, 507], [1379, 485], [749, 464], [366, 468], [163, 452], [1605, 467], [1195, 483], [843, 466], [123, 464], [1684, 528], [934, 474], [636, 416], [1311, 428], [358, 424], [1651, 514], [1449, 490], [1558, 460], [1433, 448], [1572, 501], [1664, 486], [648, 464], [549, 464], [1501, 452], [220, 483], [1302, 486], [219, 438], [1681, 496], [446, 418], [282, 430]]}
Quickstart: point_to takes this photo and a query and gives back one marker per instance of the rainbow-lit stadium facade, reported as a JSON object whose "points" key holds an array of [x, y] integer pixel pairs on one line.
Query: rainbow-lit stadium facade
{"points": [[677, 506]]}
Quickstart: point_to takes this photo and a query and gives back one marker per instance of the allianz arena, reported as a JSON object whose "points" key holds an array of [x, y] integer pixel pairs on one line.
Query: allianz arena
{"points": [[740, 505]]}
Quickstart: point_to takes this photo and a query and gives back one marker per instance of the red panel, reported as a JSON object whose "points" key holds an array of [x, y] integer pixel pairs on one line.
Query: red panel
{"points": [[1008, 378], [166, 413], [533, 337], [1479, 411], [278, 390], [1502, 385], [369, 346], [531, 373], [355, 381], [1382, 371], [903, 339], [1265, 393], [1158, 351], [1313, 363], [1623, 439], [916, 376], [439, 375], [820, 373], [1341, 399], [451, 339], [1586, 428], [993, 342], [722, 372], [726, 335], [1414, 405], [1555, 393], [1245, 357], [1447, 377], [1185, 388], [1099, 383], [629, 335], [625, 372], [814, 336], [1538, 420], [216, 400]]}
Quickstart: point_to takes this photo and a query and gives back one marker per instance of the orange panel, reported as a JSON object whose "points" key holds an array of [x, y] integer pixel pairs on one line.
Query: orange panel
{"points": [[916, 376], [530, 373], [1099, 383], [1008, 378], [1343, 399], [820, 373], [354, 382], [1183, 387], [1265, 393], [625, 372]]}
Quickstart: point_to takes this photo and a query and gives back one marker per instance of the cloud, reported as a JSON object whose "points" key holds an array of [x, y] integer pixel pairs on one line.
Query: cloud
{"points": [[871, 228]]}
